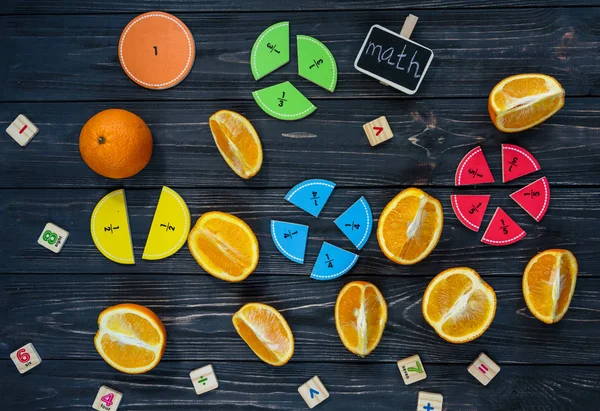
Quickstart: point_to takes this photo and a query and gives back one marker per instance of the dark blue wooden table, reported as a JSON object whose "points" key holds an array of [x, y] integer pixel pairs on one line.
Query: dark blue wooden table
{"points": [[59, 66]]}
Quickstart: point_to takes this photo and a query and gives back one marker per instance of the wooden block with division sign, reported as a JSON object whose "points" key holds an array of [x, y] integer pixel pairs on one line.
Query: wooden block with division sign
{"points": [[378, 131], [26, 358], [313, 391], [22, 130], [204, 379], [107, 399], [429, 401], [484, 369], [412, 369]]}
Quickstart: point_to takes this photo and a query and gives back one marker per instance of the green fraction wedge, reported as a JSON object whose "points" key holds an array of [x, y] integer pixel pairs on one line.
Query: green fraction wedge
{"points": [[283, 101], [271, 50], [316, 63]]}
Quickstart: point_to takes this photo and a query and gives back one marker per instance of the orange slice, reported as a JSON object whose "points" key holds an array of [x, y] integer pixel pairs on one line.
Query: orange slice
{"points": [[266, 332], [523, 101], [130, 338], [224, 246], [410, 226], [237, 142], [549, 283], [459, 305], [360, 317]]}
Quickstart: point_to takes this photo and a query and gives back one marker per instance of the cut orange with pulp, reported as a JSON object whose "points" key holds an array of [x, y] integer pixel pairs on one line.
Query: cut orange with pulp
{"points": [[266, 332], [410, 226], [360, 317], [237, 142], [224, 246], [130, 338], [549, 283], [459, 305], [525, 100]]}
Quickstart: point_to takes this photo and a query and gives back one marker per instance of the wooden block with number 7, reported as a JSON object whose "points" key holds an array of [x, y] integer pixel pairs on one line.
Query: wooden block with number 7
{"points": [[378, 131], [107, 399]]}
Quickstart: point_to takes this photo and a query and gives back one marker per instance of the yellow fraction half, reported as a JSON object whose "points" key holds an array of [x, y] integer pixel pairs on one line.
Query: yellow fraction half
{"points": [[459, 305], [170, 226], [109, 227]]}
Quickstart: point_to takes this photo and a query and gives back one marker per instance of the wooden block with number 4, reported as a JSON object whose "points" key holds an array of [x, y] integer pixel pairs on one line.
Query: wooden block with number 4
{"points": [[26, 358], [412, 369], [484, 369], [378, 131], [313, 391], [107, 399]]}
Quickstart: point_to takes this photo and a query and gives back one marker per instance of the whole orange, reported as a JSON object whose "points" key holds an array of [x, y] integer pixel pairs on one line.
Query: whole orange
{"points": [[116, 143]]}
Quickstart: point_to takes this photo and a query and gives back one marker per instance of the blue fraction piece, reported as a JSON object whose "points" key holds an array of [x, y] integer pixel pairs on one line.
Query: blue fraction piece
{"points": [[290, 239], [357, 222], [311, 195], [332, 262]]}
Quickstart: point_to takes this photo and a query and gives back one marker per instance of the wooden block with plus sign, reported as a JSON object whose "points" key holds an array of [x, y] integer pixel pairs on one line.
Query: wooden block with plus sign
{"points": [[412, 369], [204, 379], [378, 131], [107, 399], [22, 130], [313, 391], [484, 369], [429, 401], [26, 358], [53, 238]]}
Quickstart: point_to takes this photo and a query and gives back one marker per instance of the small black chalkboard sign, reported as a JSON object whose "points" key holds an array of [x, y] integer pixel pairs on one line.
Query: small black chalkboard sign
{"points": [[394, 60]]}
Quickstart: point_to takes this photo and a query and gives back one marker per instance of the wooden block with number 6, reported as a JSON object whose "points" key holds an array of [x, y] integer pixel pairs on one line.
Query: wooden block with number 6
{"points": [[204, 379], [107, 399], [378, 131], [412, 369], [26, 358], [484, 369]]}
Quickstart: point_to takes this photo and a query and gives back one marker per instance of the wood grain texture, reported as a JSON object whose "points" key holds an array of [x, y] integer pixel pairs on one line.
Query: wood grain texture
{"points": [[25, 212], [72, 385], [58, 315], [74, 58], [430, 139]]}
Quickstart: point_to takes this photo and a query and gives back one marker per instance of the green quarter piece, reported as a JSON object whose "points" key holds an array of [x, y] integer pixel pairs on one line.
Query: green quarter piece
{"points": [[284, 102], [316, 63], [271, 50]]}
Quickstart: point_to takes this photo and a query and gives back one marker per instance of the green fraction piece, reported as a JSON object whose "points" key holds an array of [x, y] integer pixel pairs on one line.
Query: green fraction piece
{"points": [[316, 63], [271, 50], [283, 101]]}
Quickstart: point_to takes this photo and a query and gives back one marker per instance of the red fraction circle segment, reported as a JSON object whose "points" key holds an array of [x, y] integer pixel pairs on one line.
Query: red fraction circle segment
{"points": [[502, 230], [473, 169], [517, 162], [157, 50], [470, 209], [534, 198]]}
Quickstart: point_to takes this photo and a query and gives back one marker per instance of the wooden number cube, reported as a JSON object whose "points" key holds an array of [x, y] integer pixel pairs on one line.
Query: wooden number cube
{"points": [[484, 369], [429, 401], [412, 369], [22, 130], [313, 391], [204, 379], [378, 131], [53, 237], [26, 358], [107, 399]]}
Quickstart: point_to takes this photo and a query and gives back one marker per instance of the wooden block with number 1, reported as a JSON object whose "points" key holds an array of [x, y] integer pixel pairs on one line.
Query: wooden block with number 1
{"points": [[378, 131], [26, 358], [107, 399], [412, 369], [484, 369], [313, 391]]}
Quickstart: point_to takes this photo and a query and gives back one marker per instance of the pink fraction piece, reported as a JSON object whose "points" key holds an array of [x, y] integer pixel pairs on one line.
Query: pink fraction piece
{"points": [[534, 198], [473, 169], [470, 209], [517, 162], [502, 230]]}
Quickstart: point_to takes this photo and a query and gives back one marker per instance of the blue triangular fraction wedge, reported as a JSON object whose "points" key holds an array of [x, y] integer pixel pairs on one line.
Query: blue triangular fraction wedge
{"points": [[332, 262], [290, 239], [311, 195], [357, 222]]}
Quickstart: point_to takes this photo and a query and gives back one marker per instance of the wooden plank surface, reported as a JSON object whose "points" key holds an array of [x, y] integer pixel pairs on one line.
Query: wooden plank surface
{"points": [[73, 58]]}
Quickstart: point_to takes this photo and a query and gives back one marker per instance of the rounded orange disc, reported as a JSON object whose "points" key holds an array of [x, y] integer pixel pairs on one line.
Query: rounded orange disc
{"points": [[157, 50]]}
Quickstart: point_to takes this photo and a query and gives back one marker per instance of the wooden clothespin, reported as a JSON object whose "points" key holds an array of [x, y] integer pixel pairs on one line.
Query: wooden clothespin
{"points": [[407, 29]]}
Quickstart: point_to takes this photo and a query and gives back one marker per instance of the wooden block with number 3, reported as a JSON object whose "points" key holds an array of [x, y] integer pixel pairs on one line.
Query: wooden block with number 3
{"points": [[26, 358], [378, 131], [412, 369], [313, 391], [484, 369], [107, 399]]}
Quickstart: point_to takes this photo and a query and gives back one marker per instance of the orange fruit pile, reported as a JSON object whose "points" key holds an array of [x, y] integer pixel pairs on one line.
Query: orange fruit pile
{"points": [[459, 305], [224, 246], [116, 143], [237, 142], [549, 283], [130, 338], [523, 101], [410, 226], [266, 332], [360, 317]]}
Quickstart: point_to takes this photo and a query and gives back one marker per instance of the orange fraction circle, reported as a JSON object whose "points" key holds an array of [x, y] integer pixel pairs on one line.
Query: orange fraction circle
{"points": [[157, 50]]}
